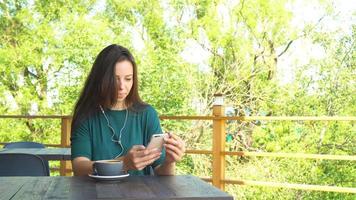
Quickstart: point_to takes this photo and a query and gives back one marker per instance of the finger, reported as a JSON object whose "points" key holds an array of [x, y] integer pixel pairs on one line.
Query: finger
{"points": [[146, 152], [171, 141], [178, 143], [140, 164], [174, 136], [169, 136], [174, 155], [146, 158], [136, 150], [174, 139], [154, 150], [138, 147], [152, 156], [136, 162], [151, 160], [174, 149]]}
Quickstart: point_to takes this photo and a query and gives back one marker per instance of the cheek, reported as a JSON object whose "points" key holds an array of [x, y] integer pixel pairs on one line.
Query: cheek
{"points": [[129, 85]]}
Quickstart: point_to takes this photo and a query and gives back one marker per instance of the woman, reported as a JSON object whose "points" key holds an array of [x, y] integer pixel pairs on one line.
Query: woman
{"points": [[111, 121]]}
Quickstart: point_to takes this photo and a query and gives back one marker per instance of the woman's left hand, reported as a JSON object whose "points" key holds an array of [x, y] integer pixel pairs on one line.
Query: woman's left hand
{"points": [[175, 148]]}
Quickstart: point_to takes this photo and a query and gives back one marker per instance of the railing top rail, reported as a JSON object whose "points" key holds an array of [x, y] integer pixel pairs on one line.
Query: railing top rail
{"points": [[265, 118]]}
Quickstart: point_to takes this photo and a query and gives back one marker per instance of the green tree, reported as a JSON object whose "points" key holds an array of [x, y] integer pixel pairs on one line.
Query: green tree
{"points": [[47, 49]]}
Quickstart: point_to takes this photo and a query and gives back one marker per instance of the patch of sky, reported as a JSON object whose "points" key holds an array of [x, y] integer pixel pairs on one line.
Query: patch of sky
{"points": [[138, 33], [68, 74], [99, 7], [10, 101], [194, 53], [303, 50], [224, 16], [34, 109], [169, 19]]}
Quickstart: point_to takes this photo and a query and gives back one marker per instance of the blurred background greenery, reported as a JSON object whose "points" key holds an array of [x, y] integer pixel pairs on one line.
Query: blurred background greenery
{"points": [[268, 57]]}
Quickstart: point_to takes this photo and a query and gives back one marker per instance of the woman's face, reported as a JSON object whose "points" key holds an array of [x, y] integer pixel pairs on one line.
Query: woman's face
{"points": [[124, 80]]}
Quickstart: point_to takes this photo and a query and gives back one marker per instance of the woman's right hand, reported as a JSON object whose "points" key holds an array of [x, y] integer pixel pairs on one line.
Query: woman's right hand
{"points": [[139, 157]]}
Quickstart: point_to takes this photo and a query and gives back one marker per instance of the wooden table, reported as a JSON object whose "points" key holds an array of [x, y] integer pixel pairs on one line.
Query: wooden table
{"points": [[45, 153], [132, 187]]}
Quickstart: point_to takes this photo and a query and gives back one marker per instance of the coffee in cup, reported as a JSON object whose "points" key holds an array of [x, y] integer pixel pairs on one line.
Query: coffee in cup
{"points": [[108, 167]]}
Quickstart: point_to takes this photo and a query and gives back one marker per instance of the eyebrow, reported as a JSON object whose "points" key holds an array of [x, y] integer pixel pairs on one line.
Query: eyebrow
{"points": [[124, 76]]}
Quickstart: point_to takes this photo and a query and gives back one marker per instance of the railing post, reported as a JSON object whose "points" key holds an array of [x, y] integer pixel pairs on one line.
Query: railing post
{"points": [[218, 142], [65, 166]]}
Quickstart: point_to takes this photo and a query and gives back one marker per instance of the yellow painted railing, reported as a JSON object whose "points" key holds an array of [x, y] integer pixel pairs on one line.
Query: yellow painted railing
{"points": [[218, 150]]}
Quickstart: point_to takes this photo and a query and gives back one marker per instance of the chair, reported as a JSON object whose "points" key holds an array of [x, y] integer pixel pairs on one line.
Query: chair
{"points": [[22, 164], [27, 145]]}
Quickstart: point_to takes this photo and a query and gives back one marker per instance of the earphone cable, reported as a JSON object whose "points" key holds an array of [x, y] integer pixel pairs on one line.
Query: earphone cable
{"points": [[113, 131]]}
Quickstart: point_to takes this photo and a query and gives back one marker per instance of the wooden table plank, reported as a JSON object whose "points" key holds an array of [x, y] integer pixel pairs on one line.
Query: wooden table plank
{"points": [[159, 187], [81, 188], [9, 188], [58, 189], [132, 187], [127, 188], [190, 187], [35, 188]]}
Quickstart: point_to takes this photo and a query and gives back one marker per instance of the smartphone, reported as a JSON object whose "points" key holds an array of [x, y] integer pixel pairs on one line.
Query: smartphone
{"points": [[156, 141]]}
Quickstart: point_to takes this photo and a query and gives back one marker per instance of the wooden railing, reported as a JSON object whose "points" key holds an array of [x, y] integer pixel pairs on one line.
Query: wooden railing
{"points": [[218, 150], [65, 166]]}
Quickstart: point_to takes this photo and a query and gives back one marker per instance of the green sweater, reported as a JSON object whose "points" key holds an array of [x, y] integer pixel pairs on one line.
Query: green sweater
{"points": [[92, 139]]}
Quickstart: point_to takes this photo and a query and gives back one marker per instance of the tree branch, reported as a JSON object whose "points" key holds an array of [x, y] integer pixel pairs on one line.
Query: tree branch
{"points": [[285, 49], [302, 35]]}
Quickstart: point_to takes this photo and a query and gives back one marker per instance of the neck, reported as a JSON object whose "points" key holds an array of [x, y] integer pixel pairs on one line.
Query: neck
{"points": [[119, 106]]}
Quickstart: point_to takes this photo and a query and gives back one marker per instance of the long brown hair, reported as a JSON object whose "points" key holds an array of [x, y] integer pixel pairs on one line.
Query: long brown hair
{"points": [[100, 88]]}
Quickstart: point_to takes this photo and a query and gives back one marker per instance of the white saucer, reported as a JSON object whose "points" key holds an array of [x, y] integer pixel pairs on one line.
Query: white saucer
{"points": [[108, 178]]}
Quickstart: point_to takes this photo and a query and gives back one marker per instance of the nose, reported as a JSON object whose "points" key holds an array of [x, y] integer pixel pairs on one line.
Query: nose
{"points": [[120, 84]]}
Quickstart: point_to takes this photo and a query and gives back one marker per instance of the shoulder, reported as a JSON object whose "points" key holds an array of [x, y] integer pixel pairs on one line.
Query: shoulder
{"points": [[150, 109], [145, 109], [147, 114], [86, 123]]}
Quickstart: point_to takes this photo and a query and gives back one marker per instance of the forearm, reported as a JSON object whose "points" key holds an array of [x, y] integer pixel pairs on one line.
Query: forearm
{"points": [[82, 167], [165, 169]]}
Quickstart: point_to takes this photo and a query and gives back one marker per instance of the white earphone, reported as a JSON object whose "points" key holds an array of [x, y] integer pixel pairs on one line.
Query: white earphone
{"points": [[113, 131]]}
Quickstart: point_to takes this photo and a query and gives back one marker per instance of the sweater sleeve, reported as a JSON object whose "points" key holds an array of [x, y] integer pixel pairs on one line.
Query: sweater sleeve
{"points": [[154, 127], [81, 141]]}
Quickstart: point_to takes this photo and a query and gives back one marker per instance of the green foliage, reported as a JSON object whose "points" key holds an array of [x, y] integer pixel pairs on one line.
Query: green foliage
{"points": [[47, 49]]}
